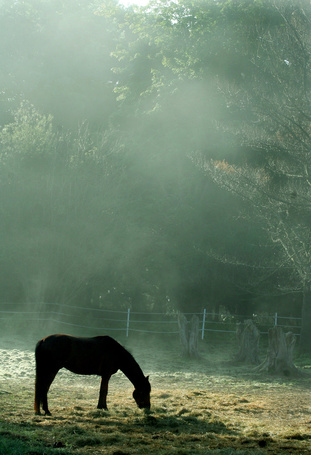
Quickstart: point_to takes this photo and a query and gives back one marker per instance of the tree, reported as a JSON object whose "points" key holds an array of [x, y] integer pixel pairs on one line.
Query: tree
{"points": [[56, 55], [169, 59], [275, 136], [116, 207], [58, 228]]}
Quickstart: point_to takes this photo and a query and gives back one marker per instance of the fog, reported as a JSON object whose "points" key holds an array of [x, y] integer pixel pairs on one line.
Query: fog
{"points": [[137, 2], [111, 119]]}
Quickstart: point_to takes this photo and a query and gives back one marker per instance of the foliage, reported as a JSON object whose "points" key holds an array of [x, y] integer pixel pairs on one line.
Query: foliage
{"points": [[29, 137], [102, 186], [275, 137], [57, 56]]}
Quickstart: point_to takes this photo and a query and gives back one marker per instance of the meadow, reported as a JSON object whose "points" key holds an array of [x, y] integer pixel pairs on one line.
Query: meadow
{"points": [[205, 406]]}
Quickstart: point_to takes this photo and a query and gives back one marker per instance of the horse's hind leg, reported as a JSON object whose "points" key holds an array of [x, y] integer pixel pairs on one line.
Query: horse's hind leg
{"points": [[43, 383], [38, 394], [40, 375], [47, 383]]}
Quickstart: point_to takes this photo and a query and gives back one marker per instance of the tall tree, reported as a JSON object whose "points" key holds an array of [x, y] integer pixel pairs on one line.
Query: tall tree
{"points": [[170, 59], [272, 108]]}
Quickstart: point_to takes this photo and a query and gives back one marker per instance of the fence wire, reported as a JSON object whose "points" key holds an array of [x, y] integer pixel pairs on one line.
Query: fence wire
{"points": [[128, 321]]}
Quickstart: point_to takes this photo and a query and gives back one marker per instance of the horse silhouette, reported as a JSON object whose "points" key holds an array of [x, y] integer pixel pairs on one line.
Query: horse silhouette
{"points": [[102, 356]]}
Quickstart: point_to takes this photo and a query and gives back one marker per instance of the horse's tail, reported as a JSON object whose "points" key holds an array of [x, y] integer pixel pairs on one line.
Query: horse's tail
{"points": [[39, 374], [38, 348], [38, 356]]}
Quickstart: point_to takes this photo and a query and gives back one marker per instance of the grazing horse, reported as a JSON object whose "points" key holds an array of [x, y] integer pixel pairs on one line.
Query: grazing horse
{"points": [[102, 356]]}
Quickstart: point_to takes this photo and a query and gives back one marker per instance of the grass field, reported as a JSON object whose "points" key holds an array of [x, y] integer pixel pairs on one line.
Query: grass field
{"points": [[208, 406]]}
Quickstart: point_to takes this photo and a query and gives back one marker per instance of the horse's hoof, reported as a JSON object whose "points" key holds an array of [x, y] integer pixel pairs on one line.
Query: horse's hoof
{"points": [[37, 413], [47, 413]]}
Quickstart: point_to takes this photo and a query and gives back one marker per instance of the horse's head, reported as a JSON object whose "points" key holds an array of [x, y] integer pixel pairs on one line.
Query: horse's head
{"points": [[142, 394]]}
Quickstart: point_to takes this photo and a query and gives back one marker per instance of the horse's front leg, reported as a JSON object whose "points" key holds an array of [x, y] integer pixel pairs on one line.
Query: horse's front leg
{"points": [[102, 403]]}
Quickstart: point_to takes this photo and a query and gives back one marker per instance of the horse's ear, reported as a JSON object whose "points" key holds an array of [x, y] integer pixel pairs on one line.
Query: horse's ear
{"points": [[147, 377]]}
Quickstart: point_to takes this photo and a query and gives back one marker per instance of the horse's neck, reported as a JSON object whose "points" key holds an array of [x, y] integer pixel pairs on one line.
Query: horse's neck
{"points": [[132, 370]]}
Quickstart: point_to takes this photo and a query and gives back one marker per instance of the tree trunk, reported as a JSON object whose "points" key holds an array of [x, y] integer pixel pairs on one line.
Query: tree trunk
{"points": [[279, 358], [248, 341], [305, 338], [189, 335]]}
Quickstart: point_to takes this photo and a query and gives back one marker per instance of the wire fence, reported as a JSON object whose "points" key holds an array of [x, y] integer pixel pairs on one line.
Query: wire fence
{"points": [[99, 320]]}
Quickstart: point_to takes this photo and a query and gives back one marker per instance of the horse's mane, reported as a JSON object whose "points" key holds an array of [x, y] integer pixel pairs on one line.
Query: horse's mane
{"points": [[129, 365], [128, 356]]}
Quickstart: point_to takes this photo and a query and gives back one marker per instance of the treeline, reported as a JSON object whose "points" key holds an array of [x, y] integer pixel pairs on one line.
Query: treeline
{"points": [[122, 130]]}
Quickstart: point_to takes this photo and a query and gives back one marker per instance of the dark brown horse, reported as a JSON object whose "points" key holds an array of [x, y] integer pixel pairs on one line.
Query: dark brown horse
{"points": [[102, 356]]}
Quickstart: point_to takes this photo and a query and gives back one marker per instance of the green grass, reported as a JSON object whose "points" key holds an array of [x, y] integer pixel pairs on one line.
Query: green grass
{"points": [[16, 443]]}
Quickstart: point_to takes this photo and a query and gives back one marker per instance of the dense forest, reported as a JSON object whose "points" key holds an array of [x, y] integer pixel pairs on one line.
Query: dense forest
{"points": [[157, 157]]}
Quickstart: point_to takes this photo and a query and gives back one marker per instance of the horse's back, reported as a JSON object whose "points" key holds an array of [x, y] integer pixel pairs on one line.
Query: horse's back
{"points": [[80, 355], [62, 341], [53, 343]]}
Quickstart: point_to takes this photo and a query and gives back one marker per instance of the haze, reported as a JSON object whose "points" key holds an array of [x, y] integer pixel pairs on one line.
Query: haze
{"points": [[154, 161]]}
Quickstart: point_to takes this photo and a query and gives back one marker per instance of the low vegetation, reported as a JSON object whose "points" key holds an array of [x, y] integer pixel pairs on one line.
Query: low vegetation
{"points": [[205, 406]]}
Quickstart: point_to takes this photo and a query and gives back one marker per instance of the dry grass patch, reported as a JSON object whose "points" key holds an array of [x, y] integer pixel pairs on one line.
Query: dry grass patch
{"points": [[200, 409]]}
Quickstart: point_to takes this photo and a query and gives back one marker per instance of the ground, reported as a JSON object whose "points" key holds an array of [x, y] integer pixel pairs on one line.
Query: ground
{"points": [[206, 406]]}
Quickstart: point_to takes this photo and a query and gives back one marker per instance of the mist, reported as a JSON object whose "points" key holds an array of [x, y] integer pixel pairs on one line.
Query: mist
{"points": [[112, 118], [154, 188]]}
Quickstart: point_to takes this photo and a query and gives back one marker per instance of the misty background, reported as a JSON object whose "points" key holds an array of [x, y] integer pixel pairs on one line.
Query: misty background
{"points": [[157, 157]]}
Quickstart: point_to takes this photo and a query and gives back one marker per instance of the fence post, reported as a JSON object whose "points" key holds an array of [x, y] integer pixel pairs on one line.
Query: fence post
{"points": [[275, 319], [128, 322], [203, 323]]}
